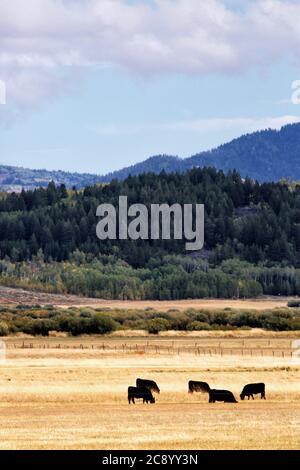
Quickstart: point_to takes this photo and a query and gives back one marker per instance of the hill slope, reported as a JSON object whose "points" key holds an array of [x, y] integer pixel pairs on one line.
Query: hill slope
{"points": [[15, 178], [266, 156], [48, 240]]}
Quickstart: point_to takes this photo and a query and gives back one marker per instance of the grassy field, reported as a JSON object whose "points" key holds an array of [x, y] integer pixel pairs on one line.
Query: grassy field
{"points": [[69, 393], [19, 296]]}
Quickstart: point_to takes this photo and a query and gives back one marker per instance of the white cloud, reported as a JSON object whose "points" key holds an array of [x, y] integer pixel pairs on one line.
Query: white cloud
{"points": [[42, 39]]}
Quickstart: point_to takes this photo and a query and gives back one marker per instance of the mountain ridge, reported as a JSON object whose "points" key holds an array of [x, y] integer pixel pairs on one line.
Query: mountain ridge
{"points": [[267, 155]]}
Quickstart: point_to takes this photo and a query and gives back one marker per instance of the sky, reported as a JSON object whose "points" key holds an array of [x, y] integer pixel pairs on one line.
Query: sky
{"points": [[97, 85]]}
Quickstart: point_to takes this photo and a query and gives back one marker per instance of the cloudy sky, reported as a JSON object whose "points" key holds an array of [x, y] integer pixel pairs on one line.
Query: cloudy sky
{"points": [[95, 85]]}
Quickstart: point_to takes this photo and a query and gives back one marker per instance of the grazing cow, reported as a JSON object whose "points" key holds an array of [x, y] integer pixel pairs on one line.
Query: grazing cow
{"points": [[198, 387], [150, 384], [221, 395], [253, 389], [140, 393]]}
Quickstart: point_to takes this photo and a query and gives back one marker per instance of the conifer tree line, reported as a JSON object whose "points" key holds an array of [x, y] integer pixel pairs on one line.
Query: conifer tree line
{"points": [[252, 239]]}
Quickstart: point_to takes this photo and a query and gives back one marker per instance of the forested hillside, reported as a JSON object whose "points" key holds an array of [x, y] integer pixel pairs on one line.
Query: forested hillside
{"points": [[14, 179], [265, 156], [252, 238]]}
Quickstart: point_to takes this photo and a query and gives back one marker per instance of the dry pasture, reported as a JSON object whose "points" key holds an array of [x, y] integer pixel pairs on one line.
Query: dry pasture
{"points": [[17, 296], [75, 396]]}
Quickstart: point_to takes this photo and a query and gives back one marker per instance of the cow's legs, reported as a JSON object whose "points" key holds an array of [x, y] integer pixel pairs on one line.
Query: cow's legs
{"points": [[252, 397]]}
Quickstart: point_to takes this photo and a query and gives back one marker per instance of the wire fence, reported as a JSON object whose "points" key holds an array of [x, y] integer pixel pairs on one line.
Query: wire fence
{"points": [[160, 349]]}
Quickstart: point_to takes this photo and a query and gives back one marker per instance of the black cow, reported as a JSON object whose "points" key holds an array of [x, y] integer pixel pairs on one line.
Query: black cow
{"points": [[140, 393], [253, 389], [198, 387], [221, 395], [150, 384]]}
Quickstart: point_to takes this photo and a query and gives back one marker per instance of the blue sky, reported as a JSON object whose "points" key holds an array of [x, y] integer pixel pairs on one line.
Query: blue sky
{"points": [[108, 104]]}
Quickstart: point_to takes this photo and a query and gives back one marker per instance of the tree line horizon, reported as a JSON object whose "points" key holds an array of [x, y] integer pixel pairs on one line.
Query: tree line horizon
{"points": [[252, 238]]}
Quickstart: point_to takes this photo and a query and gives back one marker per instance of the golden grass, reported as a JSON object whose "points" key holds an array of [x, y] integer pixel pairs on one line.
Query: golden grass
{"points": [[181, 305], [15, 296], [77, 399]]}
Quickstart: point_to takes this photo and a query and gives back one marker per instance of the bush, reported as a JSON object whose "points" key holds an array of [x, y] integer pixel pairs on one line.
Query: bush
{"points": [[294, 303], [39, 327], [295, 325], [97, 325], [102, 325], [86, 313], [178, 321], [250, 318], [76, 322], [135, 325], [198, 326], [4, 329], [220, 318], [157, 324], [276, 324], [202, 317]]}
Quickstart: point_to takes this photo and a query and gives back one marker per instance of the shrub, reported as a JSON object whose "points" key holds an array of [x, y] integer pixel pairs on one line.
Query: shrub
{"points": [[198, 326], [179, 322], [4, 329], [202, 317], [72, 325], [86, 313], [251, 319], [157, 324], [102, 325], [294, 303], [38, 327], [295, 325], [277, 324], [135, 324], [220, 318]]}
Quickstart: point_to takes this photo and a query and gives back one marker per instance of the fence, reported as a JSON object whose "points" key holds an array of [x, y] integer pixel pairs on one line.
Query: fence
{"points": [[161, 349]]}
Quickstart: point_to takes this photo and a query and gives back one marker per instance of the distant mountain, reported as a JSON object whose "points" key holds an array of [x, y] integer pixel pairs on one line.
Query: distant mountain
{"points": [[15, 178], [267, 155]]}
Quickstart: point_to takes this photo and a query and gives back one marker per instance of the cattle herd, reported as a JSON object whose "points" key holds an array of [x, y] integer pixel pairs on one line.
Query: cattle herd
{"points": [[144, 390]]}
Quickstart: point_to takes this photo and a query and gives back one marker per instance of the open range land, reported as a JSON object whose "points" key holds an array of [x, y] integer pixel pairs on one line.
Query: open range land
{"points": [[69, 393], [19, 296]]}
